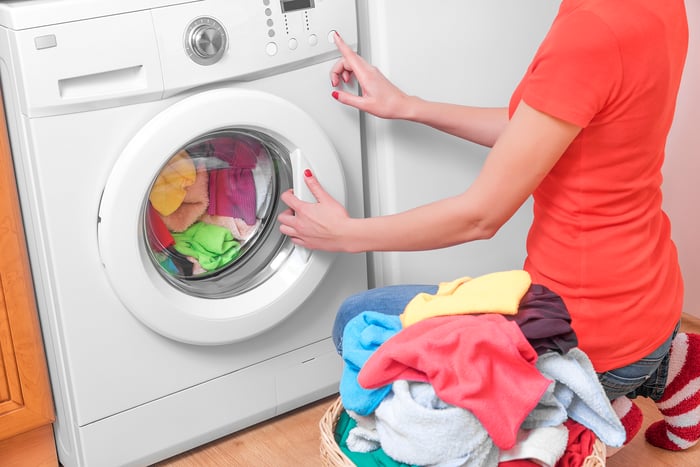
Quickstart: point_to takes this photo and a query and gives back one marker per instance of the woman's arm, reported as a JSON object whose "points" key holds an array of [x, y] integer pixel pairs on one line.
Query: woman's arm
{"points": [[526, 150], [383, 99]]}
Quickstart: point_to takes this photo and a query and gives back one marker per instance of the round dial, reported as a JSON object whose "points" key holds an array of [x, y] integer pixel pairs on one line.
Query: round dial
{"points": [[205, 41]]}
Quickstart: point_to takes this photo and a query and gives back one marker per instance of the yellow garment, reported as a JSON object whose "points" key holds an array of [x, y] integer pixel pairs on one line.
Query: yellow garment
{"points": [[169, 189], [498, 292]]}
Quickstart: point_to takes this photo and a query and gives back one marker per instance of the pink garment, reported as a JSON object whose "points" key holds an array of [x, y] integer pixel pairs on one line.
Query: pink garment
{"points": [[232, 189], [482, 363], [238, 227]]}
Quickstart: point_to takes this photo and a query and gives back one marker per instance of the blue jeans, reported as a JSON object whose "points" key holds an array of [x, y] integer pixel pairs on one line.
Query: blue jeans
{"points": [[389, 300], [646, 377]]}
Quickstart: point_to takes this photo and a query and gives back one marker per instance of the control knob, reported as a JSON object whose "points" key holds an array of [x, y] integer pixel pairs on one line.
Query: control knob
{"points": [[205, 41]]}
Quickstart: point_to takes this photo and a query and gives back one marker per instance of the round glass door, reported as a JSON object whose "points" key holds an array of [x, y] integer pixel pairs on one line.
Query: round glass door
{"points": [[211, 210], [187, 226]]}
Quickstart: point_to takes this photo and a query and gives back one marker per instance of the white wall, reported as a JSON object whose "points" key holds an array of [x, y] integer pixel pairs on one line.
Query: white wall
{"points": [[682, 168]]}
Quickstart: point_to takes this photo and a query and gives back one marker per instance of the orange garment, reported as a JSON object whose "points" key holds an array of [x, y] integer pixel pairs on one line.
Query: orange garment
{"points": [[599, 237], [170, 187]]}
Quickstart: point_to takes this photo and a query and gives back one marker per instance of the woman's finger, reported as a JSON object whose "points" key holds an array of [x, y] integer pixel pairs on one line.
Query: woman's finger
{"points": [[338, 72], [351, 60], [315, 187]]}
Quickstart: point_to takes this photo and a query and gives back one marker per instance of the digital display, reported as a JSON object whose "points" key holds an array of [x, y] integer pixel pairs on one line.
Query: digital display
{"points": [[294, 5]]}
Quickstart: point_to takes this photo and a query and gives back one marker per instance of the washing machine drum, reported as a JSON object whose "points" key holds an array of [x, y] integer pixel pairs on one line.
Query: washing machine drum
{"points": [[187, 227]]}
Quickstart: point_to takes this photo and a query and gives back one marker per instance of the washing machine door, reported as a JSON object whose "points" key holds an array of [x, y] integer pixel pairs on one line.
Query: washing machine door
{"points": [[187, 226]]}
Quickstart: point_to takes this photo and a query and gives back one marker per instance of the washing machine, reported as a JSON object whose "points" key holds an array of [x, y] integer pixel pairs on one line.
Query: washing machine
{"points": [[151, 141]]}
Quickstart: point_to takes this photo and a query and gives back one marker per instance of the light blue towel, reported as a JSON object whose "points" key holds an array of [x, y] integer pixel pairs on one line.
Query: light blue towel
{"points": [[361, 337], [576, 393], [417, 427]]}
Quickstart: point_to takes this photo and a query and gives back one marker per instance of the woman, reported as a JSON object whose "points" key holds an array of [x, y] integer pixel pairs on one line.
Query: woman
{"points": [[584, 134]]}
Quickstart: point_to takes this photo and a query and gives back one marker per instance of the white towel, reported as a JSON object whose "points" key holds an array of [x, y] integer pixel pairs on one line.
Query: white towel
{"points": [[363, 437], [416, 427], [544, 445], [262, 176]]}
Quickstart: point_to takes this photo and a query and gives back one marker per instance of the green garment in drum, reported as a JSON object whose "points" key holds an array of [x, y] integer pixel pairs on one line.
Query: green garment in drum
{"points": [[213, 246]]}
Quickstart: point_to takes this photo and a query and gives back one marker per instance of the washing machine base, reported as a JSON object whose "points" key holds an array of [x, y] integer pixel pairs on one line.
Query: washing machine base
{"points": [[181, 421]]}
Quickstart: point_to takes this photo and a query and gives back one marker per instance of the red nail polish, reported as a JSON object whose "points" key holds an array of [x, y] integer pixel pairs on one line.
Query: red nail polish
{"points": [[335, 95], [307, 173]]}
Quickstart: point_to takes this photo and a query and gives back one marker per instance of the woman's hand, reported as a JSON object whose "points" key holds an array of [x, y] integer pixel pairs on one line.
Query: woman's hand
{"points": [[379, 96], [317, 226]]}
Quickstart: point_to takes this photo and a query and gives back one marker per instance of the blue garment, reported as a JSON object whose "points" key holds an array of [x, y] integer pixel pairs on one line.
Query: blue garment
{"points": [[362, 336]]}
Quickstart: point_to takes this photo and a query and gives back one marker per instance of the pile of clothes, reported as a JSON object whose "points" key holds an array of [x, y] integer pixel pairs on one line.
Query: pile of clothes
{"points": [[486, 372], [206, 202]]}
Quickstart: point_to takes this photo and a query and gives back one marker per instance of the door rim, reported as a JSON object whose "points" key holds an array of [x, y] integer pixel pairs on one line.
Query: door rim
{"points": [[140, 288]]}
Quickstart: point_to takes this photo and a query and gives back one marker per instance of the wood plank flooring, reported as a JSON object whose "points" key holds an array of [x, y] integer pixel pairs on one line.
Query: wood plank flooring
{"points": [[293, 440]]}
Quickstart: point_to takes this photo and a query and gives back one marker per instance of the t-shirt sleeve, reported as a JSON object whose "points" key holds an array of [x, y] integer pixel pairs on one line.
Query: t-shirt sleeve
{"points": [[576, 70]]}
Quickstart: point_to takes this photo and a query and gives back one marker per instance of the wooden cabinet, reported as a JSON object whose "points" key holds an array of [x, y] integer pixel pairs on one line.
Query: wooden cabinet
{"points": [[26, 408]]}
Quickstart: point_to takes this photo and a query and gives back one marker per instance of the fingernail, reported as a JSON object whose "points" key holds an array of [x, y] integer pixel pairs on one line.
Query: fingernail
{"points": [[335, 95], [307, 173], [336, 33]]}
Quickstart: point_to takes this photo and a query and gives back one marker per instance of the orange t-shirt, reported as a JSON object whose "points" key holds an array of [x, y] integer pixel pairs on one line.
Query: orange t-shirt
{"points": [[599, 237]]}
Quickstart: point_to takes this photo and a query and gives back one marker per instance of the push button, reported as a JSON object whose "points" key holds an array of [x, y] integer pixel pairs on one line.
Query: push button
{"points": [[271, 49]]}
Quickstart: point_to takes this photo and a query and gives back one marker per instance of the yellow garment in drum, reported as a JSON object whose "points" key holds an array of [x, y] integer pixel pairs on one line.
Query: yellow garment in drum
{"points": [[169, 189], [498, 292]]}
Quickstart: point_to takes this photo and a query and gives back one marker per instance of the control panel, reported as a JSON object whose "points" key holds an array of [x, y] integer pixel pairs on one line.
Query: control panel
{"points": [[276, 28]]}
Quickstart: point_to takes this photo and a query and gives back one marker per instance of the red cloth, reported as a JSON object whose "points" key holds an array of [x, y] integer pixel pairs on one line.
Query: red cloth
{"points": [[599, 237], [482, 363], [159, 237], [579, 446], [518, 463]]}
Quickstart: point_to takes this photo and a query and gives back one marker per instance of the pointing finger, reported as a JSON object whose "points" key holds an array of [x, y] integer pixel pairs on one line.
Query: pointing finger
{"points": [[351, 60]]}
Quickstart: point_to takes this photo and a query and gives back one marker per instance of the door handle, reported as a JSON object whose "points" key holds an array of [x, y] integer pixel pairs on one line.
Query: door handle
{"points": [[301, 191]]}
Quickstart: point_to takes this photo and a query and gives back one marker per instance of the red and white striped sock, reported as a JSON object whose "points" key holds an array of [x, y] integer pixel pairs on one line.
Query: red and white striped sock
{"points": [[680, 404], [630, 415]]}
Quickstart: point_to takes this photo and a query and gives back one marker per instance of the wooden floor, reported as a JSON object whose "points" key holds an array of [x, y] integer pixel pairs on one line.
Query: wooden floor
{"points": [[293, 440]]}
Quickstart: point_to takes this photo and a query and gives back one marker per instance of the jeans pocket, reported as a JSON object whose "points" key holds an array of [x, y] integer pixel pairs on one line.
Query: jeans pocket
{"points": [[637, 379]]}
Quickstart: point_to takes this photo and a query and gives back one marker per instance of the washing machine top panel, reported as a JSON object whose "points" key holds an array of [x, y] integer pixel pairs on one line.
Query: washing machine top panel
{"points": [[68, 58], [25, 14]]}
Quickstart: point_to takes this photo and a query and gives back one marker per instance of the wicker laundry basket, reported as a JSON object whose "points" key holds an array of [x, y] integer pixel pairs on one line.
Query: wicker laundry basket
{"points": [[332, 456]]}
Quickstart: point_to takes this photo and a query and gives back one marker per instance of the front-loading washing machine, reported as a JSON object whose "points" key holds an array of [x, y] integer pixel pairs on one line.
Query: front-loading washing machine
{"points": [[151, 141]]}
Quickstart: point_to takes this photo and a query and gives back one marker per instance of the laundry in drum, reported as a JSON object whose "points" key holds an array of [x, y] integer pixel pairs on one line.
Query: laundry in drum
{"points": [[207, 201]]}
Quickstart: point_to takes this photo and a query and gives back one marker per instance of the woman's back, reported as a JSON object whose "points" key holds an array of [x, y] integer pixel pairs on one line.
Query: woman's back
{"points": [[599, 237]]}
